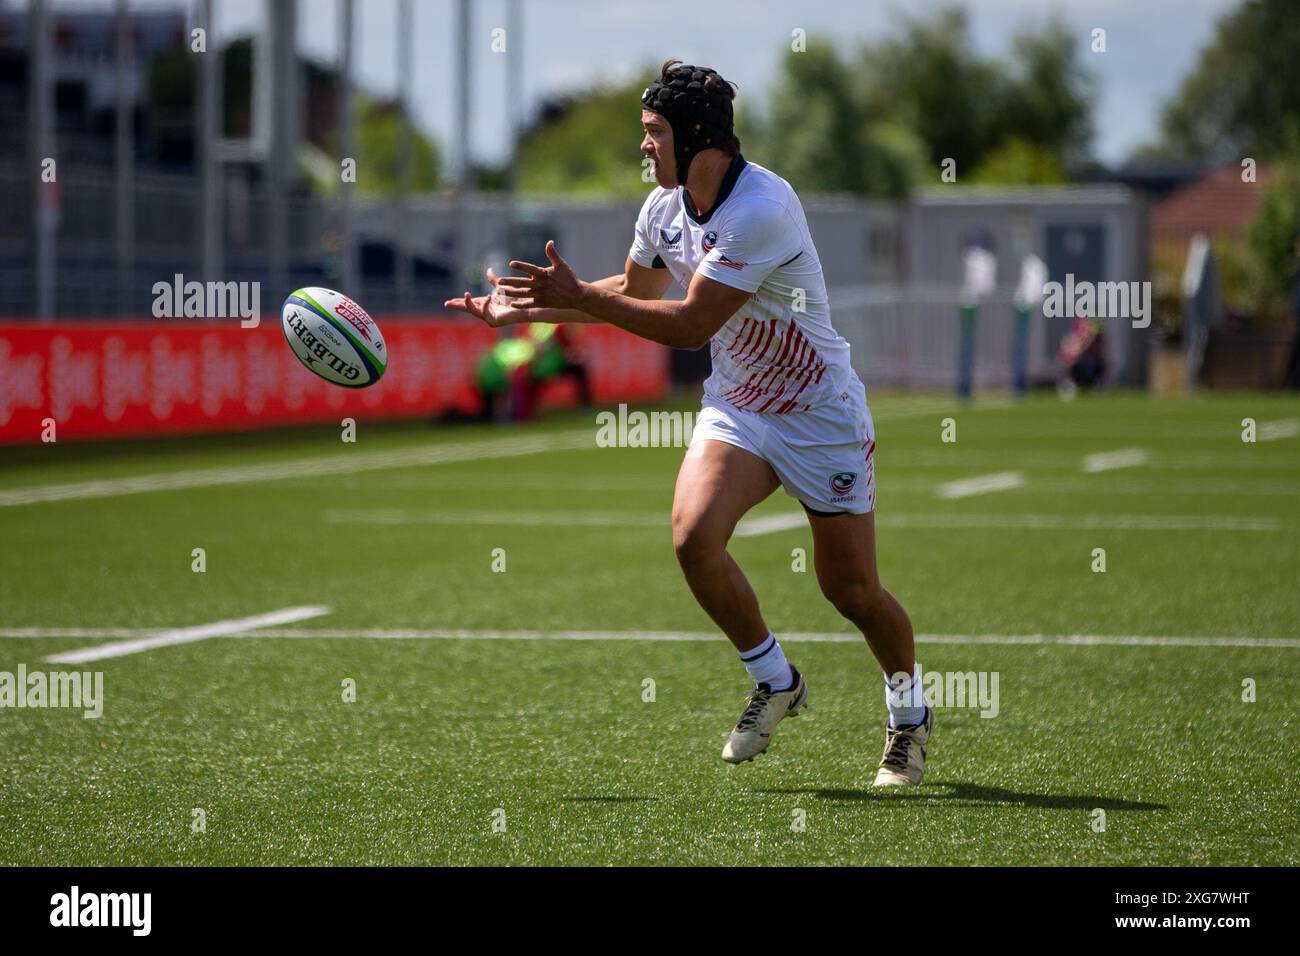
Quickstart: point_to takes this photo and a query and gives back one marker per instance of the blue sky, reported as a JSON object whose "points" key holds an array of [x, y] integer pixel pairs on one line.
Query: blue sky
{"points": [[1151, 44]]}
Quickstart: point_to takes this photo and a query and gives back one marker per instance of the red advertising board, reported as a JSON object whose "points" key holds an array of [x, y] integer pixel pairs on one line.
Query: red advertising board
{"points": [[104, 379]]}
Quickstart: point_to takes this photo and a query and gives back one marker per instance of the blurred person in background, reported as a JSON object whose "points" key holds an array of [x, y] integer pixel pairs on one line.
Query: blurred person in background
{"points": [[511, 375], [1081, 359]]}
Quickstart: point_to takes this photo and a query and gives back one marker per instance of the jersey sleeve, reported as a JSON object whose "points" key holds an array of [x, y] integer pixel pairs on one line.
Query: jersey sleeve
{"points": [[643, 251], [753, 241]]}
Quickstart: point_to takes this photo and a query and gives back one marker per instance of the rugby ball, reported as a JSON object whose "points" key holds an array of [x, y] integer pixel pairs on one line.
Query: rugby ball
{"points": [[334, 337]]}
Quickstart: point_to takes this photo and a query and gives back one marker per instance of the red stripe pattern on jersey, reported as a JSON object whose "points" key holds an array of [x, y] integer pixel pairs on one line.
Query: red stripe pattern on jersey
{"points": [[747, 325], [779, 363], [870, 457]]}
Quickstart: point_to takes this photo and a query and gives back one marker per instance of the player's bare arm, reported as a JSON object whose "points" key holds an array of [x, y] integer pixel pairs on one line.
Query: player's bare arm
{"points": [[637, 282], [685, 324]]}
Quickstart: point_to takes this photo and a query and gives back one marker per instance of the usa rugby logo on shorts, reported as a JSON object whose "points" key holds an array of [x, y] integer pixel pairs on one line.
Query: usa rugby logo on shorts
{"points": [[843, 483], [709, 241]]}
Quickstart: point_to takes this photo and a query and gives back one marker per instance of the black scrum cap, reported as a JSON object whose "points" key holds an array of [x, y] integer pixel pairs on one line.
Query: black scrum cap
{"points": [[700, 118]]}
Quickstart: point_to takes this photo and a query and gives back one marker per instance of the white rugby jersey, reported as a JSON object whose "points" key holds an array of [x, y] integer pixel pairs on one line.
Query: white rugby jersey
{"points": [[779, 353]]}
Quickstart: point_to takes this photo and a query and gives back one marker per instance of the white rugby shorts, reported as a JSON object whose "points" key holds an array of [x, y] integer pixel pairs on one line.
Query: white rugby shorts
{"points": [[825, 457]]}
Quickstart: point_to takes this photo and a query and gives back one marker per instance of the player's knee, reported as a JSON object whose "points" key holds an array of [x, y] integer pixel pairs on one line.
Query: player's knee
{"points": [[858, 601], [695, 542]]}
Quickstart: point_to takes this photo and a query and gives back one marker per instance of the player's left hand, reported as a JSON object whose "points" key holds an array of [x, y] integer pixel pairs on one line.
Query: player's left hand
{"points": [[497, 309], [553, 287]]}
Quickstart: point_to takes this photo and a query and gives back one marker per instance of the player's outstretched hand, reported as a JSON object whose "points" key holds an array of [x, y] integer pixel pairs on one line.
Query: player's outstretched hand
{"points": [[496, 310], [543, 287]]}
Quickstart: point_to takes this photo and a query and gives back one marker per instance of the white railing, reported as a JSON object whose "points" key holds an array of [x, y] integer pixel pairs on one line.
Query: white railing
{"points": [[909, 336]]}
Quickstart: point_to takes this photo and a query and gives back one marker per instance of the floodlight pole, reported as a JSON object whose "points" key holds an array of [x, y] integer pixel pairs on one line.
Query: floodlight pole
{"points": [[124, 156], [210, 130], [45, 195], [347, 149], [464, 82], [282, 161], [401, 247], [465, 170], [515, 112]]}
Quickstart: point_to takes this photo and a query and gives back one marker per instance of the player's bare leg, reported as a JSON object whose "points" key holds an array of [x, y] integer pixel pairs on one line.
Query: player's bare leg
{"points": [[844, 555], [717, 484]]}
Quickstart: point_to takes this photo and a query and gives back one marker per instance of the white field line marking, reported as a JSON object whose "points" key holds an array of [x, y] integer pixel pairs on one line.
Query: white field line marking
{"points": [[965, 487], [399, 516], [1040, 522], [1110, 460], [767, 524], [336, 464], [1229, 460], [511, 480], [791, 520], [821, 637], [1109, 640], [1185, 463], [186, 635], [921, 408], [1283, 428], [44, 632], [748, 527], [1156, 487]]}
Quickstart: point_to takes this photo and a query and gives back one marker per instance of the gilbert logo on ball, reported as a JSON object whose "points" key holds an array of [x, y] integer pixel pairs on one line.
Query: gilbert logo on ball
{"points": [[334, 337]]}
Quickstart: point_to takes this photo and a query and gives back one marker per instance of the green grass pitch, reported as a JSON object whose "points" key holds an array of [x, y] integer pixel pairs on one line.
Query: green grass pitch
{"points": [[449, 738]]}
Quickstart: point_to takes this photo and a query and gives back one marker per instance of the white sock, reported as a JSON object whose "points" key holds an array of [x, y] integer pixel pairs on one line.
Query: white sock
{"points": [[766, 664], [905, 698]]}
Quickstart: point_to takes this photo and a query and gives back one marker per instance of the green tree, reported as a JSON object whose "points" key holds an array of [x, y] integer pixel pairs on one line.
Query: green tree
{"points": [[1243, 96], [1018, 162], [379, 128], [1049, 100], [876, 123], [929, 79], [821, 135], [587, 145], [983, 114], [1273, 239]]}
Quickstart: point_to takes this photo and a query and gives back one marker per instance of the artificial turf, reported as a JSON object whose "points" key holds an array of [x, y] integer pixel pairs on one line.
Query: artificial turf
{"points": [[542, 749]]}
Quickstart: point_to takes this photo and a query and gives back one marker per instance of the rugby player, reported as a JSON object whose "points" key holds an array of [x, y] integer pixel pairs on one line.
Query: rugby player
{"points": [[783, 407]]}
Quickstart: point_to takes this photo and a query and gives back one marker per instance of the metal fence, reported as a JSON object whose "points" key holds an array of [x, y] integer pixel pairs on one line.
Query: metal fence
{"points": [[444, 234], [900, 312], [165, 242], [908, 337]]}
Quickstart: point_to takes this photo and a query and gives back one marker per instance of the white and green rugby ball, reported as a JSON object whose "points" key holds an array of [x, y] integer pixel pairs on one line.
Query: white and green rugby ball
{"points": [[334, 337]]}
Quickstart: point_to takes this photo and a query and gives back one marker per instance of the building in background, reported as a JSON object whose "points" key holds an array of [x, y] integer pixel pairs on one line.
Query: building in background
{"points": [[84, 75]]}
